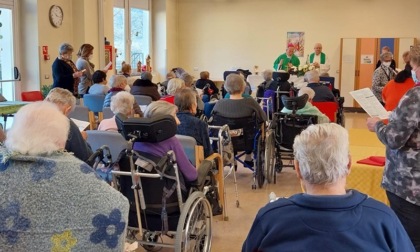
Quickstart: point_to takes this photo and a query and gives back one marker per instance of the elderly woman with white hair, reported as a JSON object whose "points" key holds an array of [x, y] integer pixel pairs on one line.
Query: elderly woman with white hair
{"points": [[309, 109], [382, 75], [326, 216], [76, 141], [121, 103], [174, 85], [52, 201], [118, 83], [161, 108], [64, 71]]}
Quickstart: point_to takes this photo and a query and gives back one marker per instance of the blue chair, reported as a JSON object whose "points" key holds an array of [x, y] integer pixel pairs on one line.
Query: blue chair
{"points": [[208, 108], [95, 105]]}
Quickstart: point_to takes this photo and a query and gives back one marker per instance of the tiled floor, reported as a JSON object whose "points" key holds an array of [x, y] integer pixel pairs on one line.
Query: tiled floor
{"points": [[229, 235]]}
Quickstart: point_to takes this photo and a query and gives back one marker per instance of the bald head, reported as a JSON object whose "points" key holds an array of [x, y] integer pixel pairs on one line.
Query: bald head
{"points": [[318, 48]]}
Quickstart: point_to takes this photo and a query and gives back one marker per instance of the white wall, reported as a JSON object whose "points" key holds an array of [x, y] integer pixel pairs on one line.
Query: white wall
{"points": [[216, 35]]}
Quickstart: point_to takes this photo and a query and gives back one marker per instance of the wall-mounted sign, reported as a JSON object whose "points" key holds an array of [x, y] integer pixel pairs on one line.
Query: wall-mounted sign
{"points": [[366, 59]]}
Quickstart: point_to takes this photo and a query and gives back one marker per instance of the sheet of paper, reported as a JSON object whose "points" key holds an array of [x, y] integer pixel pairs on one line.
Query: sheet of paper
{"points": [[82, 125], [369, 103]]}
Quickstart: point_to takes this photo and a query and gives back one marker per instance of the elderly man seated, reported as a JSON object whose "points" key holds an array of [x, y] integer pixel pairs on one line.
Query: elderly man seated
{"points": [[309, 109], [322, 92], [327, 217]]}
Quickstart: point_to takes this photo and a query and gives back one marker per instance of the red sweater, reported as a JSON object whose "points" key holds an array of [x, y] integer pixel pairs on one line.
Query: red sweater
{"points": [[393, 92]]}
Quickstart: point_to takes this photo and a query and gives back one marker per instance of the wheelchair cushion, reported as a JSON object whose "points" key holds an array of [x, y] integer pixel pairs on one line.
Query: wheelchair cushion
{"points": [[151, 130]]}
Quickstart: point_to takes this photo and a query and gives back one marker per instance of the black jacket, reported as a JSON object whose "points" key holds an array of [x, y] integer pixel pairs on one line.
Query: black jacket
{"points": [[145, 87]]}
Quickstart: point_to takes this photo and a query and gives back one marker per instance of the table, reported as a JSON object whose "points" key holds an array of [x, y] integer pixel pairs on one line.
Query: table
{"points": [[366, 178], [8, 108]]}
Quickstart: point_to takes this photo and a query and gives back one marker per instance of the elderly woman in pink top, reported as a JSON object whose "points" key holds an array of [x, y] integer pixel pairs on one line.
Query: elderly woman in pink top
{"points": [[121, 103]]}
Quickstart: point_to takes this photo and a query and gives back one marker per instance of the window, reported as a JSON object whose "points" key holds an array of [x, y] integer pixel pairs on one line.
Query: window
{"points": [[131, 32]]}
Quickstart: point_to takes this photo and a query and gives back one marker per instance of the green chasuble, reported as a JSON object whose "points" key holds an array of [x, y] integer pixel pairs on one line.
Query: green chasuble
{"points": [[294, 60], [312, 56]]}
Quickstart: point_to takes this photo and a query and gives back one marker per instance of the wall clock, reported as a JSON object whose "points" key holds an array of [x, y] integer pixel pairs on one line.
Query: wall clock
{"points": [[56, 16]]}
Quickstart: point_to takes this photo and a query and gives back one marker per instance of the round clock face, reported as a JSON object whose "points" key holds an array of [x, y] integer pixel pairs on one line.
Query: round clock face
{"points": [[56, 16]]}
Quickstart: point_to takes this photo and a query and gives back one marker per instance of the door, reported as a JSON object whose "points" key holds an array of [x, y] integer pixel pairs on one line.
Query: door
{"points": [[365, 63], [9, 73]]}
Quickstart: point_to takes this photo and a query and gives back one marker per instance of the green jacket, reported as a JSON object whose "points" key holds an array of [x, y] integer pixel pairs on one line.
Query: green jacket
{"points": [[294, 60], [309, 109]]}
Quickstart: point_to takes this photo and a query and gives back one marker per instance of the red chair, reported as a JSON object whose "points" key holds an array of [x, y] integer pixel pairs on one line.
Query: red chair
{"points": [[330, 109], [32, 96]]}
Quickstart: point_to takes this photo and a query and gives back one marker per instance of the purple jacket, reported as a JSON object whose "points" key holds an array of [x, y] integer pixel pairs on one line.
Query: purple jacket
{"points": [[161, 148]]}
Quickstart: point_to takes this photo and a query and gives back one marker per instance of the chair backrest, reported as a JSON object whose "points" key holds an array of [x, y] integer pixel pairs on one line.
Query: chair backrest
{"points": [[328, 108], [143, 100], [114, 140], [226, 73], [288, 126], [281, 76], [94, 102], [330, 80], [32, 96], [189, 143], [208, 108], [107, 112], [242, 130], [80, 113]]}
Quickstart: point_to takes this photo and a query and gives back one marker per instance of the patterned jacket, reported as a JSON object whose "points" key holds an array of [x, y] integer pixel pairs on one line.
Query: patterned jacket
{"points": [[381, 77], [402, 139], [56, 203]]}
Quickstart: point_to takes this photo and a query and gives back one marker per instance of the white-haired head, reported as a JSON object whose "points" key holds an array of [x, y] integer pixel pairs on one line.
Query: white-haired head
{"points": [[322, 153], [118, 81], [268, 75], [312, 76], [234, 84], [38, 129], [63, 99], [174, 85], [306, 90], [161, 108], [122, 103]]}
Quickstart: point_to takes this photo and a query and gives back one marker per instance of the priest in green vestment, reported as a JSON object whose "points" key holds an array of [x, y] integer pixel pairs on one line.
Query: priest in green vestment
{"points": [[319, 60], [286, 60]]}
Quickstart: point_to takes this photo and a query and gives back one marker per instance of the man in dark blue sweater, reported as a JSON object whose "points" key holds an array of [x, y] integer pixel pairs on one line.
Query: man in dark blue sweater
{"points": [[322, 92], [326, 217]]}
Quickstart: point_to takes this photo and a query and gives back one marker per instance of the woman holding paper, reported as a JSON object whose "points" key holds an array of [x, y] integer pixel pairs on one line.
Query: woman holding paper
{"points": [[402, 169], [64, 71]]}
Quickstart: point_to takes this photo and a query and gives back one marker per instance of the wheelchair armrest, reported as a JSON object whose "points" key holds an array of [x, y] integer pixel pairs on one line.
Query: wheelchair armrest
{"points": [[203, 170]]}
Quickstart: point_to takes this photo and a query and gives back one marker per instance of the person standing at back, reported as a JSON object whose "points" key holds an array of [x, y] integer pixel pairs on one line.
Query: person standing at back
{"points": [[286, 60], [83, 64]]}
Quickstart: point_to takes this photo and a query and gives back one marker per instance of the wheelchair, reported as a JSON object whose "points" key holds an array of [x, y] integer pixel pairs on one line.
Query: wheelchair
{"points": [[283, 130], [339, 113], [247, 136], [161, 204]]}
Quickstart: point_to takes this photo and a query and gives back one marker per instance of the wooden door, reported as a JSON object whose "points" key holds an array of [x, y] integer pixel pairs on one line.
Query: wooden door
{"points": [[365, 63]]}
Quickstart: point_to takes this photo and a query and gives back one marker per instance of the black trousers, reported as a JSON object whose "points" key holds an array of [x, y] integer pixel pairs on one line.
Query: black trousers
{"points": [[409, 215]]}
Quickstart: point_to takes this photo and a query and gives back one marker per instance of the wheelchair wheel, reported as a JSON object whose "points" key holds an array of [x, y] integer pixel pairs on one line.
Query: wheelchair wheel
{"points": [[194, 226], [259, 170], [269, 159]]}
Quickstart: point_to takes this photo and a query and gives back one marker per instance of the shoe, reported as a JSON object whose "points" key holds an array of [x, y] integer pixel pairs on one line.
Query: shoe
{"points": [[249, 163]]}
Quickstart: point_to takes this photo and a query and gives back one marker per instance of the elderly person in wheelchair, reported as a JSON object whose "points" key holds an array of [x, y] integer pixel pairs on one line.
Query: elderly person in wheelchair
{"points": [[239, 107], [327, 216], [309, 109], [52, 201], [168, 188]]}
